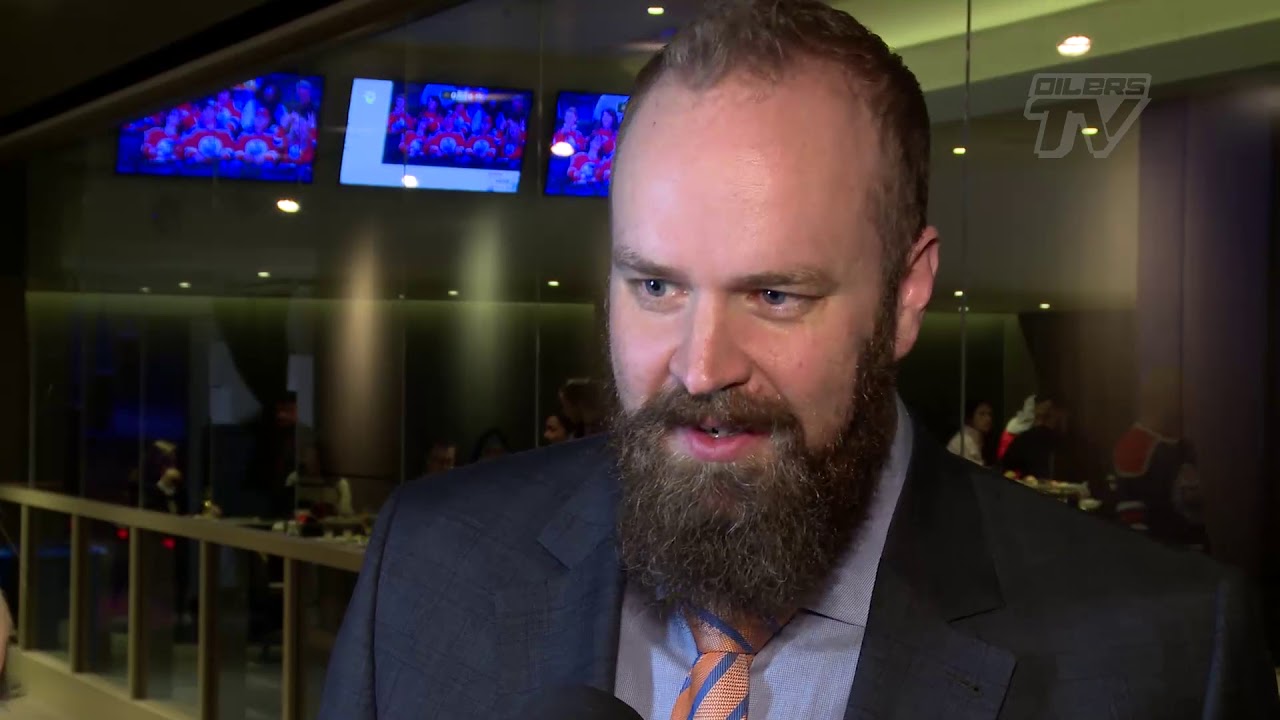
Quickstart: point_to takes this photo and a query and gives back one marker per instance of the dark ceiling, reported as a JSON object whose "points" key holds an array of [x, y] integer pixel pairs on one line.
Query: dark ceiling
{"points": [[57, 53]]}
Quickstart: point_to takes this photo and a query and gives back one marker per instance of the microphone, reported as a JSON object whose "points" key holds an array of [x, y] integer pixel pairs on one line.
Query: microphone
{"points": [[578, 703]]}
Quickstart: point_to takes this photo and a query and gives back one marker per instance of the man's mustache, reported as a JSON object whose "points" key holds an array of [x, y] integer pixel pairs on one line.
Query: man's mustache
{"points": [[733, 408]]}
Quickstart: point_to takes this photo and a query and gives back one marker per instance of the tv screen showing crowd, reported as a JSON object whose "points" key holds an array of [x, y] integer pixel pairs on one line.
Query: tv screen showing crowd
{"points": [[449, 126], [584, 142], [263, 129], [415, 135]]}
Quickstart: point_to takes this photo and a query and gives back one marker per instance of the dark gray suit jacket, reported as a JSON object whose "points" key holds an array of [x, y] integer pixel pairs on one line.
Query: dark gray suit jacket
{"points": [[500, 580]]}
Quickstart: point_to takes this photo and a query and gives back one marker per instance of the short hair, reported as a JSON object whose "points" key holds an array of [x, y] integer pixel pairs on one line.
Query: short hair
{"points": [[767, 37]]}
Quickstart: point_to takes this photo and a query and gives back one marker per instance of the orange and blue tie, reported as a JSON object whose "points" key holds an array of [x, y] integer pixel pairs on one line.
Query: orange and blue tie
{"points": [[717, 686]]}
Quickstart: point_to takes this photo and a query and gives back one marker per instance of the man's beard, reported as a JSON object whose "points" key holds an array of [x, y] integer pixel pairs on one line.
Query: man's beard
{"points": [[756, 536]]}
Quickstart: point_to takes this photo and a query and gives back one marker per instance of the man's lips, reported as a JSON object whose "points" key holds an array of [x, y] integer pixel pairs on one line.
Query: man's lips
{"points": [[712, 441]]}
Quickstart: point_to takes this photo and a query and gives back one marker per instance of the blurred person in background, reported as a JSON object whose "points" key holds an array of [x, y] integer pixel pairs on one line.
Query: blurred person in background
{"points": [[1038, 451], [556, 429], [970, 442], [492, 444], [1018, 424], [441, 457], [1154, 466], [582, 401]]}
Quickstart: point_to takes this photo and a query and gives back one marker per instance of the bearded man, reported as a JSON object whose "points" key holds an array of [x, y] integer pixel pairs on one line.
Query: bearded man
{"points": [[764, 532]]}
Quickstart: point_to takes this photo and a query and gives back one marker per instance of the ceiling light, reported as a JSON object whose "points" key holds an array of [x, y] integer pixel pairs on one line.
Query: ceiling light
{"points": [[562, 149], [184, 285], [656, 10], [409, 181], [264, 274], [1075, 46], [144, 290], [401, 296], [1089, 131], [553, 283], [957, 151], [959, 293], [1044, 306], [453, 293], [285, 205]]}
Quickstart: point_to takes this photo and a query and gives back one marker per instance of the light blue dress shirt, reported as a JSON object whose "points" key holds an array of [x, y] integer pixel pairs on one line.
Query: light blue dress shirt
{"points": [[807, 670]]}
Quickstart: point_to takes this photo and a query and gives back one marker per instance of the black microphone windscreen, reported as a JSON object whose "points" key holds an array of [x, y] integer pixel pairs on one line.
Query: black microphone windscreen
{"points": [[578, 703]]}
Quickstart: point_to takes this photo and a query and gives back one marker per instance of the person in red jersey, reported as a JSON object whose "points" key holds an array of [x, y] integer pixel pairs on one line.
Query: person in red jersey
{"points": [[399, 120], [483, 147], [608, 130], [569, 132], [449, 143], [585, 166], [414, 142], [461, 118], [160, 144], [260, 144], [226, 107], [511, 144], [189, 117], [432, 114], [209, 142], [299, 143]]}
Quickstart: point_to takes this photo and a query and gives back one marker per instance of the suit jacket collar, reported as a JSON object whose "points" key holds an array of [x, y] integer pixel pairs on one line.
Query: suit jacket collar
{"points": [[936, 571], [562, 629]]}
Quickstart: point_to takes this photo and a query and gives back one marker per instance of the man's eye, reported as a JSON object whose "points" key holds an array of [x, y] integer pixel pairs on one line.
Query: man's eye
{"points": [[774, 297], [655, 288]]}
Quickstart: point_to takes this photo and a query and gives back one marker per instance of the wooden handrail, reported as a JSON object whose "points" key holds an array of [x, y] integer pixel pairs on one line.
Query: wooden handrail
{"points": [[340, 556]]}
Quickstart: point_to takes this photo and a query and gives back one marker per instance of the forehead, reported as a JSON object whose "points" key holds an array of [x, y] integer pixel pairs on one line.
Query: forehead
{"points": [[749, 174]]}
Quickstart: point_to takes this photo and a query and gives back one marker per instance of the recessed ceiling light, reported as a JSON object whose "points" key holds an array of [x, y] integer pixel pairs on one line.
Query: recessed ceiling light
{"points": [[1075, 46], [1044, 306], [285, 205], [184, 285], [959, 293], [453, 293], [553, 283], [409, 181], [562, 149], [656, 10], [1089, 131], [264, 274], [958, 151]]}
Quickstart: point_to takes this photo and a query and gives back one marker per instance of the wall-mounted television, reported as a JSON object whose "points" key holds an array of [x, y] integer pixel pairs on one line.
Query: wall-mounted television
{"points": [[261, 129], [435, 136], [582, 143]]}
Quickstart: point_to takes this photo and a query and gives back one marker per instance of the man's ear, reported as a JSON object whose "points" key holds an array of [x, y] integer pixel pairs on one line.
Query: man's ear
{"points": [[916, 289]]}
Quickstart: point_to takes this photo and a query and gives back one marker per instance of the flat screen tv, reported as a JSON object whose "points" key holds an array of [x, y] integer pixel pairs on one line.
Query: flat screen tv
{"points": [[261, 129], [435, 136], [582, 143]]}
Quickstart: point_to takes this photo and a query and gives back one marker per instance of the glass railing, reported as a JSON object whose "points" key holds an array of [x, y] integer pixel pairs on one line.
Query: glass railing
{"points": [[135, 613]]}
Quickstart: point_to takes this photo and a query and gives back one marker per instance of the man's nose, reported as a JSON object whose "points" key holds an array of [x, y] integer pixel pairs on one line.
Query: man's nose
{"points": [[710, 356]]}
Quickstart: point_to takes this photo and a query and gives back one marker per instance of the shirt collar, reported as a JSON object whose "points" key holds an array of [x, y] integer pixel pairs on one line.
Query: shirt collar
{"points": [[846, 597]]}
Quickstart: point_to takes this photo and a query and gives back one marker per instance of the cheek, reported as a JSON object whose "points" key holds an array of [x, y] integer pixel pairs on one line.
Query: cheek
{"points": [[639, 352], [815, 382]]}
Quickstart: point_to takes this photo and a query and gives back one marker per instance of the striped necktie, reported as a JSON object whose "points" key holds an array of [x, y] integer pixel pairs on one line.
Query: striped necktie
{"points": [[716, 687]]}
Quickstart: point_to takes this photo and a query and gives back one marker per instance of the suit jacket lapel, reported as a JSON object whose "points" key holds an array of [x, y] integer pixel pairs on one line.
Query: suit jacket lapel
{"points": [[935, 571], [562, 630]]}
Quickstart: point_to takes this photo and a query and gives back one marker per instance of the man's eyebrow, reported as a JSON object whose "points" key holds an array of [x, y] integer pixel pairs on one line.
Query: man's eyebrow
{"points": [[815, 279], [625, 258], [807, 277]]}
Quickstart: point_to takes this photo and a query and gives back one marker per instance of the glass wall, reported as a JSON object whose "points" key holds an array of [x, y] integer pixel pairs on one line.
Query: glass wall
{"points": [[1117, 214], [271, 300]]}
